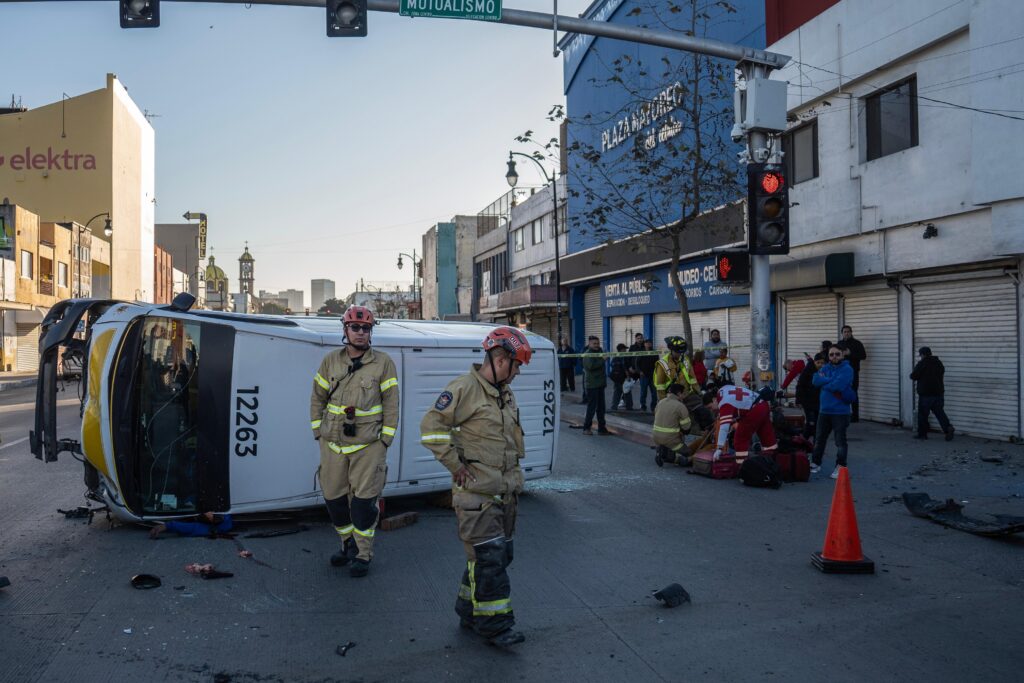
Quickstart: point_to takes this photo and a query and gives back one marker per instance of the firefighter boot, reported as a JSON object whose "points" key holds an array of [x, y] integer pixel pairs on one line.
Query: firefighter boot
{"points": [[359, 568], [507, 638], [346, 554]]}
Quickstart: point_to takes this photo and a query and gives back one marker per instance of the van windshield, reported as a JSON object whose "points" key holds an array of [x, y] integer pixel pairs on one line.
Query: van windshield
{"points": [[166, 396]]}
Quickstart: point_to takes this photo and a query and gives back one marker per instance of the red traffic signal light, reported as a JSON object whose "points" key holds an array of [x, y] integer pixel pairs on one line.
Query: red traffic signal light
{"points": [[767, 211], [732, 266], [771, 182]]}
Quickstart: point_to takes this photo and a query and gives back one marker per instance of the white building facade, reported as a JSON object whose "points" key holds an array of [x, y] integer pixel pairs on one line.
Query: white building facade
{"points": [[904, 150]]}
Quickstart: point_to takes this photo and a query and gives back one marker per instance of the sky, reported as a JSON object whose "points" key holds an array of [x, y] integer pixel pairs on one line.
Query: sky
{"points": [[328, 155]]}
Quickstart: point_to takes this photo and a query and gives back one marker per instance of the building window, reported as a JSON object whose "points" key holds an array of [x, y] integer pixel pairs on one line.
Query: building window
{"points": [[538, 231], [891, 123], [62, 274], [520, 239], [801, 148], [26, 264]]}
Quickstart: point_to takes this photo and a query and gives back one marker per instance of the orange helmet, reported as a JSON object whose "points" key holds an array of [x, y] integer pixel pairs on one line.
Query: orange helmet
{"points": [[510, 339], [358, 314]]}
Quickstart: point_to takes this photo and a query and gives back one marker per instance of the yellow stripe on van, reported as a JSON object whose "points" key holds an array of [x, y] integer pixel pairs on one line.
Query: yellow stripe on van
{"points": [[92, 437]]}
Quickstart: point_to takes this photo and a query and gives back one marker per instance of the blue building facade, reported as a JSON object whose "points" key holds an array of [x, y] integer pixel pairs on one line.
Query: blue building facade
{"points": [[623, 97]]}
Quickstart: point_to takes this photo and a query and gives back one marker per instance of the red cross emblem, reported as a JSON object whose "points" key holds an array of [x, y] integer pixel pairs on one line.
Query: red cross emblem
{"points": [[738, 393]]}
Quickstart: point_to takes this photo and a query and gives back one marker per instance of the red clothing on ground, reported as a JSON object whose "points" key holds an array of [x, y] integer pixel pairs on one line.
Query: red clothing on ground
{"points": [[757, 420]]}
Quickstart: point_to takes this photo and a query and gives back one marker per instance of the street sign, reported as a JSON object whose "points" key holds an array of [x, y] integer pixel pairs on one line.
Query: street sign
{"points": [[202, 238], [479, 10]]}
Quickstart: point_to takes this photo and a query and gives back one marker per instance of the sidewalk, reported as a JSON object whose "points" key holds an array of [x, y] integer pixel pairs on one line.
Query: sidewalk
{"points": [[14, 380], [633, 425]]}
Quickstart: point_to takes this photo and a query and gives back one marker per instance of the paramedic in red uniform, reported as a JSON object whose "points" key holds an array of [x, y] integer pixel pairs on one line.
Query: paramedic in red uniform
{"points": [[744, 411]]}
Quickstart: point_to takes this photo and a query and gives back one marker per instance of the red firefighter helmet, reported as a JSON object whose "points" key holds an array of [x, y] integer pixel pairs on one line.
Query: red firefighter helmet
{"points": [[510, 339], [358, 314]]}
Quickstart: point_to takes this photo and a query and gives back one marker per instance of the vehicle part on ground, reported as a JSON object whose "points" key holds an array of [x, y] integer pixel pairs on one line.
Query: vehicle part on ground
{"points": [[949, 513]]}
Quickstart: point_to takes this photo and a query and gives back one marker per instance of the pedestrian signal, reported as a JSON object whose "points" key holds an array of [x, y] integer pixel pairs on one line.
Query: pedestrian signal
{"points": [[346, 18], [140, 13], [767, 211], [732, 266]]}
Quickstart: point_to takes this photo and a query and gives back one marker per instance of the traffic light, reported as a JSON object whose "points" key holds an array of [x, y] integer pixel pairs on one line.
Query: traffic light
{"points": [[767, 211], [732, 266], [140, 13], [346, 18]]}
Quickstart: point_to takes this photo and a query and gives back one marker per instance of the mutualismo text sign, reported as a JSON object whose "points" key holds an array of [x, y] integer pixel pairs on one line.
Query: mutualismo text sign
{"points": [[480, 10]]}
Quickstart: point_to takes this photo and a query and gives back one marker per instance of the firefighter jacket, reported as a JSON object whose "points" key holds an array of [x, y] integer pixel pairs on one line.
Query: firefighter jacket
{"points": [[671, 422], [668, 370], [476, 424], [363, 395]]}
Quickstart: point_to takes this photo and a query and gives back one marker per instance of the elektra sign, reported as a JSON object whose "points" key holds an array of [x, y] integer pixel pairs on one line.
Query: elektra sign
{"points": [[52, 160], [652, 292]]}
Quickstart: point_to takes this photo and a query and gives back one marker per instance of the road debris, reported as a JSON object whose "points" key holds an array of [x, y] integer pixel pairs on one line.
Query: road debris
{"points": [[672, 595], [950, 514], [145, 581], [343, 649], [206, 571]]}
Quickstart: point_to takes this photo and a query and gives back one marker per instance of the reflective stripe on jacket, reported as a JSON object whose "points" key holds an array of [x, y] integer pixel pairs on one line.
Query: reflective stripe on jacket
{"points": [[371, 392], [472, 424], [671, 422]]}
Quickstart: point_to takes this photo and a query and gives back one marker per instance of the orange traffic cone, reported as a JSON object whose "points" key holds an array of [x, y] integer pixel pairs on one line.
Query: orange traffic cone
{"points": [[842, 553]]}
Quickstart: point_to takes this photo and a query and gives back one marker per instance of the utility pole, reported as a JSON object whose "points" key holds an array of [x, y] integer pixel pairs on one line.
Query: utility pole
{"points": [[756, 120]]}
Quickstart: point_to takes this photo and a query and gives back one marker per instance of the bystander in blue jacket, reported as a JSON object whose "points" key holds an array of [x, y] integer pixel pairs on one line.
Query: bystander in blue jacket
{"points": [[834, 380]]}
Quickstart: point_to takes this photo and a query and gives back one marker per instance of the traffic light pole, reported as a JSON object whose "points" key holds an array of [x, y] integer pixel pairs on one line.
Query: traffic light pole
{"points": [[760, 273]]}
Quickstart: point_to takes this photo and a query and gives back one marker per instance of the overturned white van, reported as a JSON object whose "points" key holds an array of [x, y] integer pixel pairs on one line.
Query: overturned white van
{"points": [[191, 411]]}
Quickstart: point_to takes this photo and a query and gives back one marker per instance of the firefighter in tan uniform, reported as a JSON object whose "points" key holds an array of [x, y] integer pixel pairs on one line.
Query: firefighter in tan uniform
{"points": [[474, 431], [354, 414], [675, 367], [674, 433]]}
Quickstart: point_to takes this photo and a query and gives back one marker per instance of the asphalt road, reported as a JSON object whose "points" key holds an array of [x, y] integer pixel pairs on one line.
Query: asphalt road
{"points": [[593, 541]]}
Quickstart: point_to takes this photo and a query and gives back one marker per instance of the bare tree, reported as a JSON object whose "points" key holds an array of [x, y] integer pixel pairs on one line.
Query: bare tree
{"points": [[663, 158]]}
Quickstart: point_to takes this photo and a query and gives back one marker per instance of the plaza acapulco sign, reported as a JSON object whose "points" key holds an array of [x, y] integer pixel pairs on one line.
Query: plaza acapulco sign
{"points": [[479, 10]]}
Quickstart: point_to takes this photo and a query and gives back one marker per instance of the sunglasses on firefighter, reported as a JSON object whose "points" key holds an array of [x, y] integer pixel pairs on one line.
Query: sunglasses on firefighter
{"points": [[356, 327]]}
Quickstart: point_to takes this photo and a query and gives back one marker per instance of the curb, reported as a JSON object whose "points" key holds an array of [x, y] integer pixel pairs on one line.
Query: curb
{"points": [[626, 429], [17, 383]]}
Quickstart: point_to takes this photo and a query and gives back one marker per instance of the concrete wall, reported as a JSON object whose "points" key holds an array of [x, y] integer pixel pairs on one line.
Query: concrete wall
{"points": [[465, 248], [180, 240], [428, 293], [959, 177], [536, 259], [89, 154]]}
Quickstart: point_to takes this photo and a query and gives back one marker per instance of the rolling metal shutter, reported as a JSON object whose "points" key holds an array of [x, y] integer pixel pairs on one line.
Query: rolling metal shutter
{"points": [[545, 327], [701, 324], [874, 318], [623, 328], [28, 347], [809, 321], [971, 325], [592, 323], [739, 337]]}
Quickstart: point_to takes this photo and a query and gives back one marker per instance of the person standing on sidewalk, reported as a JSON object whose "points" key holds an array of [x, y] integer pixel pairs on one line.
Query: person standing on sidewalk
{"points": [[474, 431], [594, 384], [835, 382], [808, 397], [853, 351], [645, 364], [566, 366], [711, 348], [929, 373], [619, 375]]}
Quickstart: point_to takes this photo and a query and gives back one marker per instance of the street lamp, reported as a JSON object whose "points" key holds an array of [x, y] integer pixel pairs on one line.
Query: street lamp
{"points": [[513, 178], [415, 274], [108, 230]]}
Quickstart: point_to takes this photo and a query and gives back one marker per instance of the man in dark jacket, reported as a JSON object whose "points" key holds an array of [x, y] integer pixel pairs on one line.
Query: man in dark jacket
{"points": [[807, 396], [620, 372], [834, 380], [594, 384], [645, 364], [566, 366], [854, 352], [929, 373]]}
